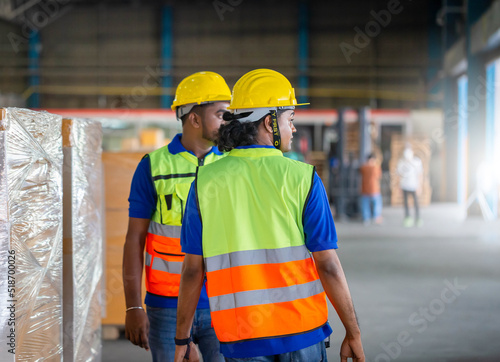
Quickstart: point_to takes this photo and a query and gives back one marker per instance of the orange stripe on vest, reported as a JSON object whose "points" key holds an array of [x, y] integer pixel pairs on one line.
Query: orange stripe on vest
{"points": [[263, 276], [252, 322]]}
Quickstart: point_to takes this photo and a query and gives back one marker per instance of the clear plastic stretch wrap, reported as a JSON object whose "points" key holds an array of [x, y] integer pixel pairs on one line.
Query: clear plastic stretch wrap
{"points": [[31, 162], [83, 239]]}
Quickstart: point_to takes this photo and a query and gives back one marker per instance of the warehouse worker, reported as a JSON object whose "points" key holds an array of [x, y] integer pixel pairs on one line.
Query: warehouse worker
{"points": [[157, 206], [252, 221], [410, 171]]}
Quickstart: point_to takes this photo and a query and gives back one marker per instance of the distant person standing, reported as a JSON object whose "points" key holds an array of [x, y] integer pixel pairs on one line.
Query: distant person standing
{"points": [[410, 171], [371, 199]]}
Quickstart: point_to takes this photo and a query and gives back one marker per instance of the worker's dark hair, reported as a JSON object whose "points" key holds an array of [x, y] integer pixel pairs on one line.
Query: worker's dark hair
{"points": [[194, 109], [234, 133]]}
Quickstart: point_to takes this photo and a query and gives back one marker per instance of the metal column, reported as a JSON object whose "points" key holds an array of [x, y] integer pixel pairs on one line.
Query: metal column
{"points": [[340, 184], [492, 195], [461, 142], [448, 16], [365, 141], [476, 100], [166, 56], [435, 53], [34, 48], [303, 46], [451, 138]]}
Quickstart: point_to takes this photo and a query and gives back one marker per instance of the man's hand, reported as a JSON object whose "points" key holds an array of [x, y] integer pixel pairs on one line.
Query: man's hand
{"points": [[136, 320], [137, 328], [352, 348], [333, 279], [180, 352]]}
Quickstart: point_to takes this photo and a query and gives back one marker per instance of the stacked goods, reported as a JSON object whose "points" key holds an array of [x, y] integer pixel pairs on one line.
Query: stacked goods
{"points": [[31, 230], [318, 159], [152, 138], [83, 239], [119, 169], [352, 139], [422, 150]]}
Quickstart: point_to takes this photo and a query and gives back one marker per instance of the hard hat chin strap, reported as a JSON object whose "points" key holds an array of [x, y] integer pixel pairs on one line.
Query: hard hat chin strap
{"points": [[276, 129]]}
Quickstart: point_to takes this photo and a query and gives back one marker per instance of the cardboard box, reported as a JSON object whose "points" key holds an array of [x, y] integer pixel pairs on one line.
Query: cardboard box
{"points": [[152, 138]]}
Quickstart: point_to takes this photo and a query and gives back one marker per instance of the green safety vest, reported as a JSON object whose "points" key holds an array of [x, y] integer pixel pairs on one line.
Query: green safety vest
{"points": [[261, 278], [172, 175]]}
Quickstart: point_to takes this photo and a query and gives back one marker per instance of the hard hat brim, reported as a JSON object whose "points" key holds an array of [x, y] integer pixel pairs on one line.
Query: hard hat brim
{"points": [[268, 106]]}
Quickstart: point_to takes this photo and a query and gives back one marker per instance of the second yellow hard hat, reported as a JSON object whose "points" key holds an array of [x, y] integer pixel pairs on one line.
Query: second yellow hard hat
{"points": [[201, 87]]}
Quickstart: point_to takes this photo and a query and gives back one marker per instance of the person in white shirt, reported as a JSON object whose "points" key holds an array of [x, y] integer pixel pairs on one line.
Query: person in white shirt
{"points": [[410, 171]]}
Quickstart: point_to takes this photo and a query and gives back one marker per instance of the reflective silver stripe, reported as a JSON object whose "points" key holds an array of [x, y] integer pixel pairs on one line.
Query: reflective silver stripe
{"points": [[172, 267], [170, 231], [260, 256], [148, 259], [265, 296]]}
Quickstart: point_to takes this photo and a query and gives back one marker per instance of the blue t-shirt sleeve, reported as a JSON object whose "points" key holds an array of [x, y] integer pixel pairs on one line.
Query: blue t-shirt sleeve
{"points": [[319, 228], [191, 232], [142, 199]]}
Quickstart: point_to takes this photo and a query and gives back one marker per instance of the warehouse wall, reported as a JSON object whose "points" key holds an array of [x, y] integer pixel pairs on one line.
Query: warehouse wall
{"points": [[394, 60], [13, 59], [117, 44], [100, 45]]}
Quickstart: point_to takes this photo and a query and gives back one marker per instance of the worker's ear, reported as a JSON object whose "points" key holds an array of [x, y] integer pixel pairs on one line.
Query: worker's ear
{"points": [[268, 124], [194, 119]]}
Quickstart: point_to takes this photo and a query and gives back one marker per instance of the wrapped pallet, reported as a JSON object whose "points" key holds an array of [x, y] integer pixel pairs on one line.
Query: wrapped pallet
{"points": [[83, 239], [31, 161]]}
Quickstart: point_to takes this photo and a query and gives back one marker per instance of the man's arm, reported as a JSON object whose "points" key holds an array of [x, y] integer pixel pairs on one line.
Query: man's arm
{"points": [[334, 282], [321, 240], [136, 320], [192, 277]]}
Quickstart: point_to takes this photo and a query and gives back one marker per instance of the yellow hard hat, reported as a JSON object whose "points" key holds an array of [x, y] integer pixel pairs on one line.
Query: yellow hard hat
{"points": [[263, 88], [201, 87]]}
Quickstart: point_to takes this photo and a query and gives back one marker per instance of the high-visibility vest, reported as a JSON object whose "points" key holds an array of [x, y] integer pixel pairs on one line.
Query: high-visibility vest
{"points": [[172, 175], [261, 279]]}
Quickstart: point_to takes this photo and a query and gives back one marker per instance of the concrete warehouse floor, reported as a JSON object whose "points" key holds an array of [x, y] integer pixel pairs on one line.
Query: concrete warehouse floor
{"points": [[428, 294]]}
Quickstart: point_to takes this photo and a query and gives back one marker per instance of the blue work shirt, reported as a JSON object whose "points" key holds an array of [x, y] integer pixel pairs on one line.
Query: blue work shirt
{"points": [[142, 205], [320, 234]]}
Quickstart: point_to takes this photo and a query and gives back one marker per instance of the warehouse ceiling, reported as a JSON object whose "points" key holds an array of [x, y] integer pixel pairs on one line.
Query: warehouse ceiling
{"points": [[92, 52]]}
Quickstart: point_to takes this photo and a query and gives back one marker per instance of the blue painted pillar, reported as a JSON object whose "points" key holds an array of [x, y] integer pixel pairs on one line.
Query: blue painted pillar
{"points": [[492, 195], [166, 56], [435, 50], [34, 49], [303, 52], [476, 100], [462, 136], [449, 84], [451, 137]]}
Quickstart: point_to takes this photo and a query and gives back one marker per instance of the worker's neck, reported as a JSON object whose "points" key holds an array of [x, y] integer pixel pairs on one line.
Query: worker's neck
{"points": [[196, 144], [263, 138]]}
